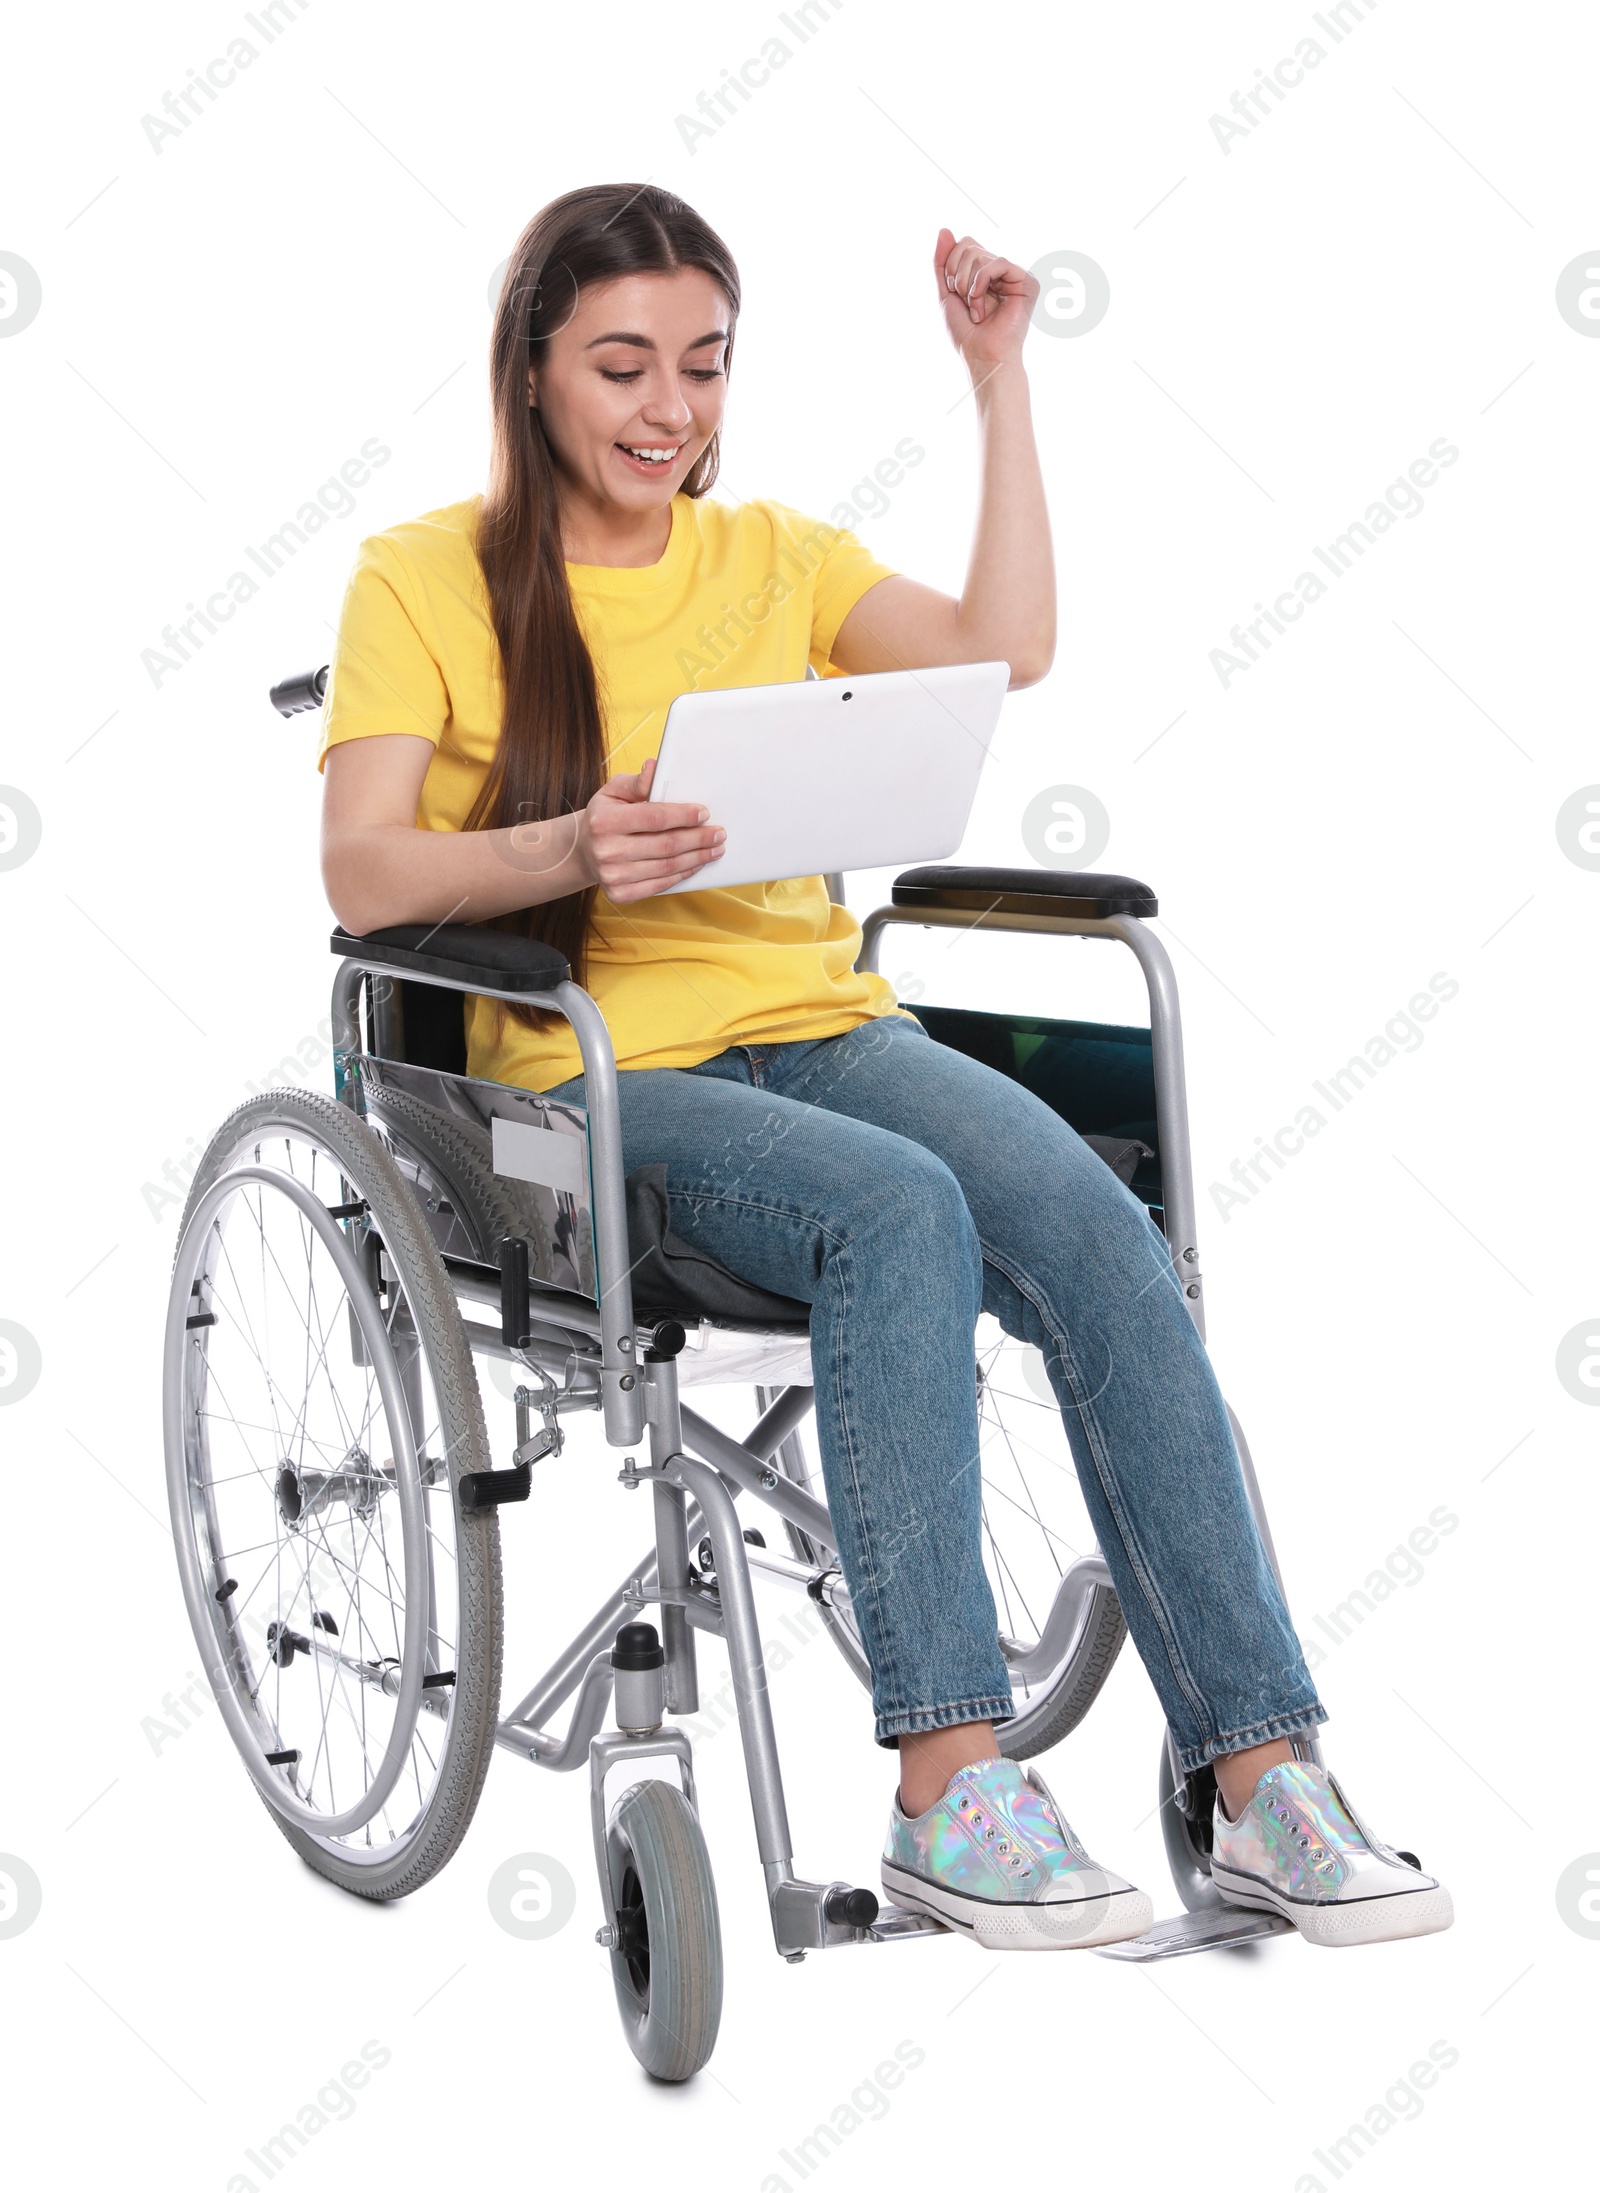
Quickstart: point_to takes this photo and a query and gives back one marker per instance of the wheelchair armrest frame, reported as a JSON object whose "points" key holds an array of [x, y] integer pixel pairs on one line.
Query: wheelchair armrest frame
{"points": [[621, 1386], [1166, 1047]]}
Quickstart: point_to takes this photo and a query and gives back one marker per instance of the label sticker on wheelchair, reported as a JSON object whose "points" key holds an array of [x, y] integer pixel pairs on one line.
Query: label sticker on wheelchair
{"points": [[20, 1896], [532, 1895], [535, 1154]]}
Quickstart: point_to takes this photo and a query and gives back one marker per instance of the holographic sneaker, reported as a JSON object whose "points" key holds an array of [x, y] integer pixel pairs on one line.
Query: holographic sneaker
{"points": [[1300, 1848], [994, 1859]]}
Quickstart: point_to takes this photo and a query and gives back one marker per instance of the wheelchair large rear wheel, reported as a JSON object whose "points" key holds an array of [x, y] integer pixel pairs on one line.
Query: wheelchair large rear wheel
{"points": [[320, 1408], [1035, 1527]]}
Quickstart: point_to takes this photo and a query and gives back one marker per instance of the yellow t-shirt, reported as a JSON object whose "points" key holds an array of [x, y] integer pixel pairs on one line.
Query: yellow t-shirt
{"points": [[744, 595]]}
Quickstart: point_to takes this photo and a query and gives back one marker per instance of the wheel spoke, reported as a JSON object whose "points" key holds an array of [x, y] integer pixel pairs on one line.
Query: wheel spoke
{"points": [[296, 1473]]}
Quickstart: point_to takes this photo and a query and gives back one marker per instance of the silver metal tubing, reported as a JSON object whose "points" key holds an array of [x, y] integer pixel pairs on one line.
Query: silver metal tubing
{"points": [[672, 1536], [567, 1314], [1166, 1050], [562, 1754], [346, 1027], [826, 1584], [1172, 1107], [750, 1475], [561, 1678], [620, 1384], [1061, 1624], [743, 1636], [790, 1453], [950, 917], [486, 1341], [624, 1397], [604, 1753], [778, 1419], [704, 1611]]}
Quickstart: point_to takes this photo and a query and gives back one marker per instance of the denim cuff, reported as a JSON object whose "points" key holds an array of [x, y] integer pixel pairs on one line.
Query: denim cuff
{"points": [[890, 1727], [1193, 1757]]}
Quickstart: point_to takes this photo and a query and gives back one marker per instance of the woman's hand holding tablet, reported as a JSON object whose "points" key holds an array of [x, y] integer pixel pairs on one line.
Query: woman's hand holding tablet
{"points": [[633, 848]]}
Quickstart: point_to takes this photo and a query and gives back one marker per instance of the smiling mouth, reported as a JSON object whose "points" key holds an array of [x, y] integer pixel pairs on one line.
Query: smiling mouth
{"points": [[661, 458]]}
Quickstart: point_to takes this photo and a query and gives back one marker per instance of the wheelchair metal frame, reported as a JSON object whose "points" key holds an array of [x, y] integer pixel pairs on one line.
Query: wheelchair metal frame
{"points": [[693, 1491]]}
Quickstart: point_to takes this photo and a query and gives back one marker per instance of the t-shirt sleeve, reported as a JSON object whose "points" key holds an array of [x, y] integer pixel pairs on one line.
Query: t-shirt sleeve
{"points": [[384, 677], [842, 571]]}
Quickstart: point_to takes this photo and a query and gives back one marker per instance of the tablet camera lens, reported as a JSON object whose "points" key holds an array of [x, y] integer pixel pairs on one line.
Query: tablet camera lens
{"points": [[844, 696]]}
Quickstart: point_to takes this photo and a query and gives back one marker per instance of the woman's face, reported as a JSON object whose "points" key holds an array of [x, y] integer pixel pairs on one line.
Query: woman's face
{"points": [[632, 388]]}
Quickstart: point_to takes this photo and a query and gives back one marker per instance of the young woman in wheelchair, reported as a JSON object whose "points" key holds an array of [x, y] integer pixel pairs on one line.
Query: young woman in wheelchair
{"points": [[503, 671]]}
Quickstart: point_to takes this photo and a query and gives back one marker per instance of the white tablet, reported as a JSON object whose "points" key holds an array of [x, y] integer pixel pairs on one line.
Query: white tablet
{"points": [[830, 774]]}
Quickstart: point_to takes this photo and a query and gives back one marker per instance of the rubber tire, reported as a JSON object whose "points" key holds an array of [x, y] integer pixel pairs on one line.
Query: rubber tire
{"points": [[475, 1697], [460, 1158], [671, 2023], [1047, 1720]]}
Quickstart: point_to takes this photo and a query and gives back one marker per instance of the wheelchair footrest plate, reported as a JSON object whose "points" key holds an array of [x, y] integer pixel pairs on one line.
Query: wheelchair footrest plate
{"points": [[894, 1924], [1193, 1931]]}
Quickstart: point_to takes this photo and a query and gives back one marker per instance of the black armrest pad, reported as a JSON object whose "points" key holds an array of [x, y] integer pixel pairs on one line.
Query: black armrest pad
{"points": [[1084, 893], [490, 958]]}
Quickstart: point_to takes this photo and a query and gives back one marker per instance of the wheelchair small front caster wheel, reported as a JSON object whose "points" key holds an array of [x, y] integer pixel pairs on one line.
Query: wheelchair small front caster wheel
{"points": [[666, 1945]]}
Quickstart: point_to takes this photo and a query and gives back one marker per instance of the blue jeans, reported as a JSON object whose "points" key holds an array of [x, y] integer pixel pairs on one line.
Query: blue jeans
{"points": [[898, 1188]]}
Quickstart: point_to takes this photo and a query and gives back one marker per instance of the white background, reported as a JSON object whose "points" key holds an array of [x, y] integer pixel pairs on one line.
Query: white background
{"points": [[1292, 322]]}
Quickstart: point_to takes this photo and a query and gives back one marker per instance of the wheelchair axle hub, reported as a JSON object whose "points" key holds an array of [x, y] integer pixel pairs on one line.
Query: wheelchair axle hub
{"points": [[304, 1493]]}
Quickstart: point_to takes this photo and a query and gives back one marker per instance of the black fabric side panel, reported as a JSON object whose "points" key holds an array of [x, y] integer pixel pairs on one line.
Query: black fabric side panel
{"points": [[1099, 1078], [671, 1276], [435, 1025]]}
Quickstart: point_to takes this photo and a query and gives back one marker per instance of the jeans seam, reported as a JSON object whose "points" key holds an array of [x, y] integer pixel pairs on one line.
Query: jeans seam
{"points": [[731, 1201], [881, 1671], [1094, 1435]]}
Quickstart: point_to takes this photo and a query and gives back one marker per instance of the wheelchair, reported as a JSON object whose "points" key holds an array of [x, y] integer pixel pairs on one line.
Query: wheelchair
{"points": [[346, 1268]]}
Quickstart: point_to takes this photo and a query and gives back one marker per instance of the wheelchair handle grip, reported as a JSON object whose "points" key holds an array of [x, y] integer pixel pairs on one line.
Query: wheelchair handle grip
{"points": [[294, 695]]}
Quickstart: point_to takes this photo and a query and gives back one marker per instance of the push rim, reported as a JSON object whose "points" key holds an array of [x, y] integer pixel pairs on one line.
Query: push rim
{"points": [[292, 1501]]}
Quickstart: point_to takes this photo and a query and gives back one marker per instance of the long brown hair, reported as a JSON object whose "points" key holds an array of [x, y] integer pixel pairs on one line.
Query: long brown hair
{"points": [[551, 758]]}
